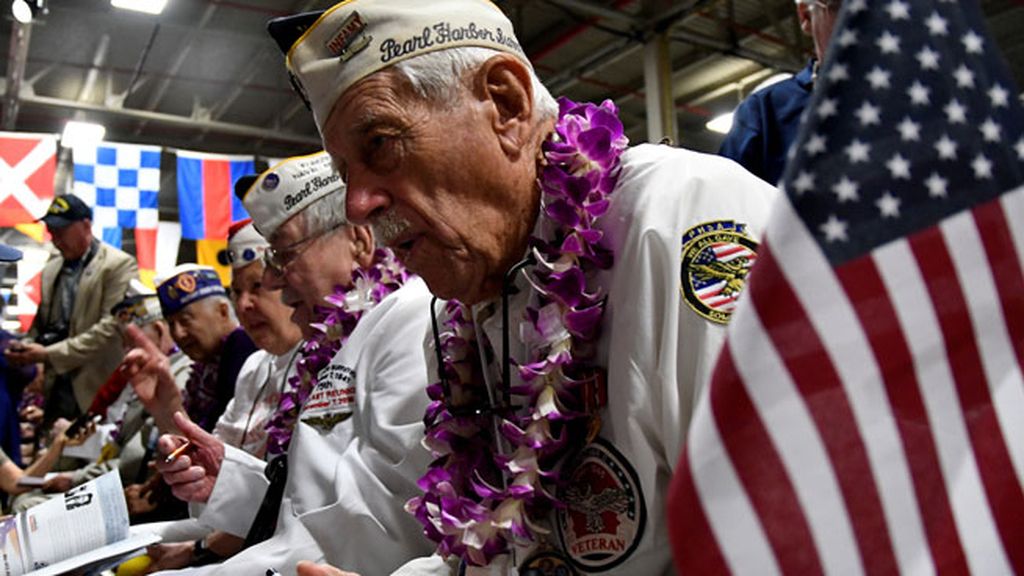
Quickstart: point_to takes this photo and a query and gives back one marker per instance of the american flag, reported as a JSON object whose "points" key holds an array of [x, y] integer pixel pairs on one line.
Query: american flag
{"points": [[866, 415]]}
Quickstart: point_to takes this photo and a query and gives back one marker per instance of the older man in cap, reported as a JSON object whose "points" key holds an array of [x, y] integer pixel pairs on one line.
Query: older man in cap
{"points": [[261, 381], [345, 445], [589, 283], [204, 325], [73, 332]]}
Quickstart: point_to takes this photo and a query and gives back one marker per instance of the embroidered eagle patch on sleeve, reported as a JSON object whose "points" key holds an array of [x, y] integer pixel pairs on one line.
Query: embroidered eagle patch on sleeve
{"points": [[716, 258]]}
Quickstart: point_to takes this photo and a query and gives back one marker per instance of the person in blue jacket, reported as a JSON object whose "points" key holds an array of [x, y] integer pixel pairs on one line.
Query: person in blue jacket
{"points": [[766, 123]]}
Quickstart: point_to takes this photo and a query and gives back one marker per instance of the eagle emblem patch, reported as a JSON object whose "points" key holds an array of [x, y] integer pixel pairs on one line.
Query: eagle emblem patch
{"points": [[716, 258], [604, 515]]}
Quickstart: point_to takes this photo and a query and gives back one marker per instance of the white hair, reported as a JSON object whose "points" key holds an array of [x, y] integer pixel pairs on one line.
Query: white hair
{"points": [[438, 77], [212, 301], [324, 214]]}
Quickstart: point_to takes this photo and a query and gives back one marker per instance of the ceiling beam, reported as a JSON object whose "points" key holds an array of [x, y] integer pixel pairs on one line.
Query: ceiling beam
{"points": [[179, 61], [598, 11], [173, 120], [17, 55], [98, 58]]}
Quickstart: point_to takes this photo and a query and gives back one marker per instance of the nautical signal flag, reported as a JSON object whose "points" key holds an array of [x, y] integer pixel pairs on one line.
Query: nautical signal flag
{"points": [[866, 415], [207, 205], [121, 183], [28, 163]]}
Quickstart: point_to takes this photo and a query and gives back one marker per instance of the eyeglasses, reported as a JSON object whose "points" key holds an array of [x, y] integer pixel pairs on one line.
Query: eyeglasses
{"points": [[279, 260]]}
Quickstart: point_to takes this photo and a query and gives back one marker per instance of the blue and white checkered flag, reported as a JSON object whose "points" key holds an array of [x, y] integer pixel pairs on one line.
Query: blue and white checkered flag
{"points": [[121, 182]]}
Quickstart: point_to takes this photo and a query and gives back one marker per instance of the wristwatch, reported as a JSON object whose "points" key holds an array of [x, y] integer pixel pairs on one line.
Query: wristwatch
{"points": [[201, 555]]}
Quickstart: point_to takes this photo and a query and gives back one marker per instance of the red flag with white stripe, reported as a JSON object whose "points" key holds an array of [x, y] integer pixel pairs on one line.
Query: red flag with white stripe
{"points": [[867, 412], [28, 163]]}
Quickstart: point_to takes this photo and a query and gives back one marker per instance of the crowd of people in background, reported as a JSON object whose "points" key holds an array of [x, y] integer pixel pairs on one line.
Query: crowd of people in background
{"points": [[436, 355]]}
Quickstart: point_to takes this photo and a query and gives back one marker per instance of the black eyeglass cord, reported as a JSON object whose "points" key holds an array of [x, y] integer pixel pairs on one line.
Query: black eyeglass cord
{"points": [[508, 289]]}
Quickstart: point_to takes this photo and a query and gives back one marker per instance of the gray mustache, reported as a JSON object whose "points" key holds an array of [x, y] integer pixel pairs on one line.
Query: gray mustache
{"points": [[388, 227]]}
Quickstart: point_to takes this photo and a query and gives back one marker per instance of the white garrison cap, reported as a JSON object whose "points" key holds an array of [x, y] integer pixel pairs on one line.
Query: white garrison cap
{"points": [[330, 51], [284, 190], [245, 245]]}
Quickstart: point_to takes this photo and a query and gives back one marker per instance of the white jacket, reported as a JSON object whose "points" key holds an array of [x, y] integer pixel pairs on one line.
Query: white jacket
{"points": [[347, 483], [659, 352], [257, 394]]}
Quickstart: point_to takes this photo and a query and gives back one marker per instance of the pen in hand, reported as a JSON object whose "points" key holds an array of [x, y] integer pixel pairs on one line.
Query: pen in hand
{"points": [[177, 452]]}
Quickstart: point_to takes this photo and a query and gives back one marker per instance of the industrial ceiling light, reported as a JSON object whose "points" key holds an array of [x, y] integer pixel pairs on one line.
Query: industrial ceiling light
{"points": [[720, 124], [77, 133], [147, 6], [25, 10]]}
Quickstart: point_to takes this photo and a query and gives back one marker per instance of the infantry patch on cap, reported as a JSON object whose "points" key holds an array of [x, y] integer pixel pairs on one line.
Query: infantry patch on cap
{"points": [[716, 258], [349, 39], [604, 515], [329, 52]]}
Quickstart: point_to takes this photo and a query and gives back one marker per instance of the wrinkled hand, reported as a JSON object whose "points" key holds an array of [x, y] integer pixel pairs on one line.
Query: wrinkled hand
{"points": [[82, 435], [60, 426], [191, 475], [149, 371], [25, 353], [139, 499], [169, 556], [32, 413], [306, 568]]}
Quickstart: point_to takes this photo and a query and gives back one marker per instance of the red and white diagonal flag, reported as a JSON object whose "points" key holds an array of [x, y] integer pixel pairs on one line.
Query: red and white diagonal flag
{"points": [[28, 163], [866, 415]]}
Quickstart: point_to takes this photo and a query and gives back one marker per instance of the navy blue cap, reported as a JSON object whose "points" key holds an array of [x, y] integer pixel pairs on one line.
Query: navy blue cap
{"points": [[8, 254], [286, 30], [66, 210]]}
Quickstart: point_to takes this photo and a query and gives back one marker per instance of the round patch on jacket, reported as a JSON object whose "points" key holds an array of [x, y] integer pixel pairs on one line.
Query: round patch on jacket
{"points": [[716, 258], [546, 563], [604, 515]]}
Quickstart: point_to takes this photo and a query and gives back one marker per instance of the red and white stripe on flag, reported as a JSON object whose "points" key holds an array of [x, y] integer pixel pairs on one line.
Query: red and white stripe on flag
{"points": [[28, 163], [866, 415], [867, 419]]}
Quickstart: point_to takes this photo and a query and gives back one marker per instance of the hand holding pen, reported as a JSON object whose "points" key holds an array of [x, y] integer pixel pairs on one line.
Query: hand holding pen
{"points": [[189, 463]]}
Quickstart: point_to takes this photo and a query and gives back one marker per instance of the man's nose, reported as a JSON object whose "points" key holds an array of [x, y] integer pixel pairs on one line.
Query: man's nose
{"points": [[178, 331], [363, 201], [245, 301]]}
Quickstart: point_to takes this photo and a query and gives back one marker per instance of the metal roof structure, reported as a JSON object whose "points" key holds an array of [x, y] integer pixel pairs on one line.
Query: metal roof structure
{"points": [[205, 75]]}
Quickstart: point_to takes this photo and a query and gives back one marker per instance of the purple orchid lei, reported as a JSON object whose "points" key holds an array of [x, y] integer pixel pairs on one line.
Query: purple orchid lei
{"points": [[475, 502], [335, 322]]}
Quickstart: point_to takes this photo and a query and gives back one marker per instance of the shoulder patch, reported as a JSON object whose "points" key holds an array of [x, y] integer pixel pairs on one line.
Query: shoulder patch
{"points": [[716, 257], [604, 515]]}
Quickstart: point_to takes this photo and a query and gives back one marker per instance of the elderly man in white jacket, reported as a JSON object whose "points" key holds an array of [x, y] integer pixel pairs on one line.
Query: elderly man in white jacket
{"points": [[350, 432], [588, 283]]}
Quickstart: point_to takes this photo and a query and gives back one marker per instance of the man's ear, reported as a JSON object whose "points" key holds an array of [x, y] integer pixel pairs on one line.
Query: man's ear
{"points": [[503, 83], [803, 15], [224, 309], [363, 246]]}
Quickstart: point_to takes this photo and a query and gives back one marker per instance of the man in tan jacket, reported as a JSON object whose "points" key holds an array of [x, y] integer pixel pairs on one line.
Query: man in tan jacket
{"points": [[73, 331]]}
